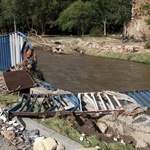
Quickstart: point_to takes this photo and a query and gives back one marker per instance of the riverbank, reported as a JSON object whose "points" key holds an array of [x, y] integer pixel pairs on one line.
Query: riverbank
{"points": [[142, 57], [109, 47]]}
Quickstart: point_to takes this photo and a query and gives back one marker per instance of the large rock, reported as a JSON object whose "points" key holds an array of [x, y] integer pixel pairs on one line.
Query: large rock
{"points": [[102, 126], [45, 144], [137, 128], [60, 147], [137, 28]]}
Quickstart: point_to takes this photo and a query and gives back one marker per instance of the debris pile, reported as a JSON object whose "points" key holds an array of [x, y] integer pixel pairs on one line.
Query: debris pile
{"points": [[105, 47], [24, 139], [83, 46], [131, 131]]}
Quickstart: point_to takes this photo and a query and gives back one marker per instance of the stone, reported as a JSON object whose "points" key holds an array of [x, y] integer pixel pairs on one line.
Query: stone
{"points": [[81, 138], [60, 147], [4, 128], [102, 126], [32, 133], [15, 124], [122, 141], [2, 117], [129, 48], [115, 139], [19, 140], [1, 121], [10, 129], [45, 144], [109, 135], [37, 139], [120, 129], [11, 122], [1, 111], [10, 135], [141, 144], [142, 140]]}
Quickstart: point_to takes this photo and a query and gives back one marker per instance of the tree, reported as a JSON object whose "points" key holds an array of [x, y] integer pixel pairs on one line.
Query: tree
{"points": [[111, 13], [44, 13], [15, 12], [76, 17], [7, 8], [22, 14], [57, 16]]}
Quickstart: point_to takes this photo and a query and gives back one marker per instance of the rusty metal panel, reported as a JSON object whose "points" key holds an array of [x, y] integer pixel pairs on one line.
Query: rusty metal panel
{"points": [[18, 80]]}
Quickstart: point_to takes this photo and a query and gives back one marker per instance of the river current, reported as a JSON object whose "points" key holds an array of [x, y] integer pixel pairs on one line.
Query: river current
{"points": [[80, 73]]}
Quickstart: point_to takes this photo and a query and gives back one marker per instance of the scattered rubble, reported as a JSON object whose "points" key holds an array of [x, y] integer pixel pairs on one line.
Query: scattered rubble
{"points": [[131, 127], [23, 139], [86, 46]]}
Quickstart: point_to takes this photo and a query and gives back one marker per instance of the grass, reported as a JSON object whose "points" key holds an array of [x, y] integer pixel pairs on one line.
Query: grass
{"points": [[64, 127], [136, 57], [9, 100]]}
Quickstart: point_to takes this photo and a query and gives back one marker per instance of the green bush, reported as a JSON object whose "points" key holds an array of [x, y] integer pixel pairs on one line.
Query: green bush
{"points": [[96, 32]]}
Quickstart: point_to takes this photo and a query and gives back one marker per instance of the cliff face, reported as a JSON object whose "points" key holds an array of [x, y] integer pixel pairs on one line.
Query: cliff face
{"points": [[137, 28]]}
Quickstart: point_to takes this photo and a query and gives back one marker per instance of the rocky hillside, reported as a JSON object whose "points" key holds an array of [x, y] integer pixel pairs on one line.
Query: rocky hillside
{"points": [[137, 28]]}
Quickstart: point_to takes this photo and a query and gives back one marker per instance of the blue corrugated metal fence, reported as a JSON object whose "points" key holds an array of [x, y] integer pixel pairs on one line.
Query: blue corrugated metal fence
{"points": [[5, 62], [12, 47]]}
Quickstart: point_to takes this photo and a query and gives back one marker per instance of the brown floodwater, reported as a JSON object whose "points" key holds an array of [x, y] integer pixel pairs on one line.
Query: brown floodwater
{"points": [[79, 73]]}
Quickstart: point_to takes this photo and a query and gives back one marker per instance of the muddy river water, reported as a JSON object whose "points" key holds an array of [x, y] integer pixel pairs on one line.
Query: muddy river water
{"points": [[79, 73]]}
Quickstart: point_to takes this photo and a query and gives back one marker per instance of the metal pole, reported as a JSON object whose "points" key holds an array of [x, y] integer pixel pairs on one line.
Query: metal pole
{"points": [[15, 25]]}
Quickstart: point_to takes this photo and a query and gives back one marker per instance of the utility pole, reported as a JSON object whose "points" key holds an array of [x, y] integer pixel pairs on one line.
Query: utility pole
{"points": [[15, 25]]}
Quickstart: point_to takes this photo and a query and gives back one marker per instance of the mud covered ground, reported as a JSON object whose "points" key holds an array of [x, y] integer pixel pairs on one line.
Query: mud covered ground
{"points": [[88, 126]]}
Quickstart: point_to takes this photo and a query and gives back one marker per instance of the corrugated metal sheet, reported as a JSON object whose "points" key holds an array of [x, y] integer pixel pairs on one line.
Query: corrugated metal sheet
{"points": [[105, 102], [12, 48], [18, 80], [4, 53]]}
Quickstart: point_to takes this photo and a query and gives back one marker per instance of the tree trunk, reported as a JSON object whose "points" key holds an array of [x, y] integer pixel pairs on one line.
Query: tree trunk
{"points": [[82, 31], [43, 29], [105, 33]]}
